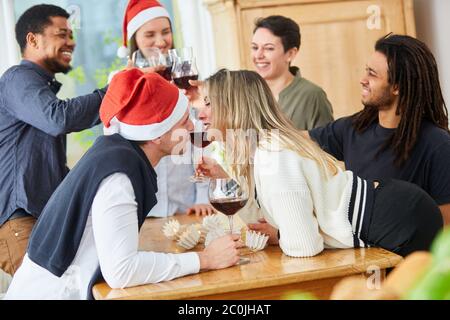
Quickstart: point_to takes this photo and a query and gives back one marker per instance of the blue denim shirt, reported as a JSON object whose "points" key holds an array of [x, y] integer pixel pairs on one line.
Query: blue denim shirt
{"points": [[33, 128]]}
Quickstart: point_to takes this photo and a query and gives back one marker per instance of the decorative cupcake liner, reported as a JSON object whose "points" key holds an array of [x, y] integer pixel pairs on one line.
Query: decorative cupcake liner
{"points": [[212, 227], [213, 235], [189, 238], [171, 229], [201, 230], [212, 222], [256, 241]]}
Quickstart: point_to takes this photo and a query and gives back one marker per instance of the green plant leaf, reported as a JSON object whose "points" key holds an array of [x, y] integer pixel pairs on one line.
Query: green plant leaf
{"points": [[78, 75]]}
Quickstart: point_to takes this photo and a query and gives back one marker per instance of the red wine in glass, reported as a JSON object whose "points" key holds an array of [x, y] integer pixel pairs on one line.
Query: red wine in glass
{"points": [[229, 197], [183, 82], [228, 206], [166, 73], [199, 139]]}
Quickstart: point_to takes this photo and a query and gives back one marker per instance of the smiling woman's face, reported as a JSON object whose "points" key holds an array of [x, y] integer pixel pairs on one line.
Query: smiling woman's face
{"points": [[156, 33], [268, 55]]}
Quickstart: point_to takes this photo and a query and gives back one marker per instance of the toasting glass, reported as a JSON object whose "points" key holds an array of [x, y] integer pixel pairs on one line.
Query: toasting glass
{"points": [[228, 197], [184, 67], [199, 141], [153, 57]]}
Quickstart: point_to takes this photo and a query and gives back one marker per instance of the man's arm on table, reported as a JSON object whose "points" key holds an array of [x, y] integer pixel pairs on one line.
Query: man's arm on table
{"points": [[115, 227]]}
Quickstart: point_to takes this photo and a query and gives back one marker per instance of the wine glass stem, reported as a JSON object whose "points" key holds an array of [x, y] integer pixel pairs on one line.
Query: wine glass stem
{"points": [[230, 220], [195, 158]]}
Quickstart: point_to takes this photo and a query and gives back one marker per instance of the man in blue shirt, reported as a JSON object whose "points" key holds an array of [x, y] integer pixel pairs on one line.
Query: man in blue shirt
{"points": [[34, 124], [402, 132]]}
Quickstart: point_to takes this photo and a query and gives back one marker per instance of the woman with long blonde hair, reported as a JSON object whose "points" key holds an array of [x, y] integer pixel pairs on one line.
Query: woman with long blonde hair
{"points": [[312, 202]]}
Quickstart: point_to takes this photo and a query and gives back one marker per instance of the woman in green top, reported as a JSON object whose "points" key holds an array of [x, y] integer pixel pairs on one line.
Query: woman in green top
{"points": [[275, 44]]}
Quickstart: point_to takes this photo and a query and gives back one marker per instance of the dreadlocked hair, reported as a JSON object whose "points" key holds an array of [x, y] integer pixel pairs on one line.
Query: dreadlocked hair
{"points": [[413, 69]]}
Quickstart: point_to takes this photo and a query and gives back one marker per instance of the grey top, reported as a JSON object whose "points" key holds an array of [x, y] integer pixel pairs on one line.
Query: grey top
{"points": [[306, 104], [33, 128]]}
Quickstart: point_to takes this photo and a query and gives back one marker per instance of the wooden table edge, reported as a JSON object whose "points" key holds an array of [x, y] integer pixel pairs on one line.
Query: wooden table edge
{"points": [[215, 289]]}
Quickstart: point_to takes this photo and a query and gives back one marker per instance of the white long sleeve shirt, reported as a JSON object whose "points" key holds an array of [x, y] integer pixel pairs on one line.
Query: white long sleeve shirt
{"points": [[110, 239], [311, 213]]}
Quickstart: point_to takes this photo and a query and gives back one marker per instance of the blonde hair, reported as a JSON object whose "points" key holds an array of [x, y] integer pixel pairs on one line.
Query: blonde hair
{"points": [[242, 100]]}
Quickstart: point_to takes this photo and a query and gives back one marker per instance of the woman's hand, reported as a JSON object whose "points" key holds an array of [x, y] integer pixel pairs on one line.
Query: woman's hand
{"points": [[193, 93], [201, 210], [264, 227], [210, 168]]}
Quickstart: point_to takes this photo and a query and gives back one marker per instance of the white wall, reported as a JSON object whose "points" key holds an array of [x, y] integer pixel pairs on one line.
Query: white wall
{"points": [[433, 28], [9, 54], [197, 31]]}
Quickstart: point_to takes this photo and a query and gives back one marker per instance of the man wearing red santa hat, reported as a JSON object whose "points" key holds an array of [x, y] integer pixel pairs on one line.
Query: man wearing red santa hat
{"points": [[89, 228]]}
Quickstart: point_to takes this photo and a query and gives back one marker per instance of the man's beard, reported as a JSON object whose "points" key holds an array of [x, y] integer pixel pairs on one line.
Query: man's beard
{"points": [[382, 102], [54, 66]]}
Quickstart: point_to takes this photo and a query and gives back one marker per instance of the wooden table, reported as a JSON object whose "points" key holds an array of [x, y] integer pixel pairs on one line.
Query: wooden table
{"points": [[269, 275]]}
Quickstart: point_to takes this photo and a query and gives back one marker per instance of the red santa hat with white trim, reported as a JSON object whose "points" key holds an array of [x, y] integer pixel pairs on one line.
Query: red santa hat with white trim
{"points": [[141, 106], [138, 13]]}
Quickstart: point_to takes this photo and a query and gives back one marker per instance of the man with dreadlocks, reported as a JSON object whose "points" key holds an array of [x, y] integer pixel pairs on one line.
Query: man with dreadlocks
{"points": [[402, 132]]}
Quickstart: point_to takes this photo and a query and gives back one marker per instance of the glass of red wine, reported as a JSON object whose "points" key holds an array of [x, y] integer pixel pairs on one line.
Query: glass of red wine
{"points": [[228, 197], [199, 141], [184, 67], [153, 57]]}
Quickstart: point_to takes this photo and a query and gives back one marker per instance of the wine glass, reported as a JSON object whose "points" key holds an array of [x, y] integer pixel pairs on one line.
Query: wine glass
{"points": [[167, 61], [199, 141], [146, 57], [185, 54], [228, 196], [153, 57], [184, 67]]}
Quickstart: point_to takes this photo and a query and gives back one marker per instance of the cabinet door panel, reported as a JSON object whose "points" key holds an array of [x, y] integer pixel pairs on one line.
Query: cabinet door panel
{"points": [[336, 42]]}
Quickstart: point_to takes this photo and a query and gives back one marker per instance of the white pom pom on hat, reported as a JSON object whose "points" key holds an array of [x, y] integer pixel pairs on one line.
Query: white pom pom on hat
{"points": [[123, 52]]}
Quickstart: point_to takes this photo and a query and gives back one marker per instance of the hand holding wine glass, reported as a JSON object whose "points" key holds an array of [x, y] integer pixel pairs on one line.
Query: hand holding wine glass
{"points": [[220, 253], [184, 67], [211, 168], [193, 92]]}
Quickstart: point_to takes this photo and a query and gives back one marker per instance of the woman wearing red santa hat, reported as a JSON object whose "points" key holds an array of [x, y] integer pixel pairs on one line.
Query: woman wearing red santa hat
{"points": [[147, 24]]}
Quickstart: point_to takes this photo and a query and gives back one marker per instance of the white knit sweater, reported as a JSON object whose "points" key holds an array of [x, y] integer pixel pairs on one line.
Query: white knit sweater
{"points": [[311, 212]]}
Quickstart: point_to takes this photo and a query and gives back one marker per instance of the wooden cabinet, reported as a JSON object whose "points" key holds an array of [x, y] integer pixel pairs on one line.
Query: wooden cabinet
{"points": [[338, 36]]}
